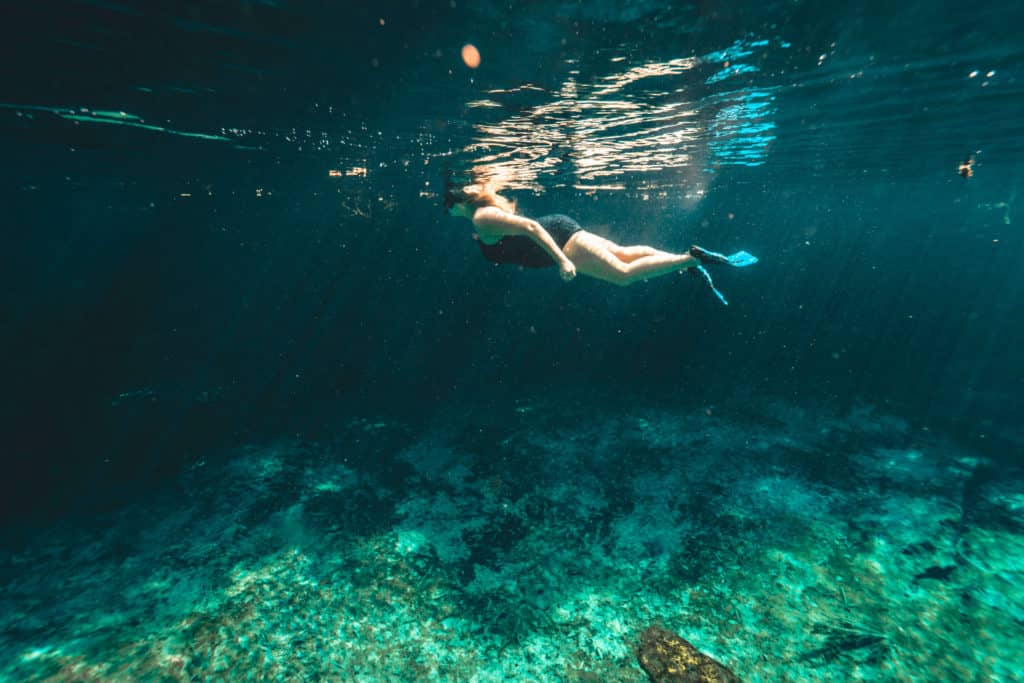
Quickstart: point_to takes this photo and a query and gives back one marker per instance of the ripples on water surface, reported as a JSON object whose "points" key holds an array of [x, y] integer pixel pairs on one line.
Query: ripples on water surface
{"points": [[586, 97]]}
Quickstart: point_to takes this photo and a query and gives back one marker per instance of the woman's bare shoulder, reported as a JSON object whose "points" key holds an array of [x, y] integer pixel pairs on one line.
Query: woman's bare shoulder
{"points": [[493, 219], [492, 214]]}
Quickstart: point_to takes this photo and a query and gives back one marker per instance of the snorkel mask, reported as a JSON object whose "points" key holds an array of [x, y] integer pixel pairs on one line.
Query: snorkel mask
{"points": [[453, 193]]}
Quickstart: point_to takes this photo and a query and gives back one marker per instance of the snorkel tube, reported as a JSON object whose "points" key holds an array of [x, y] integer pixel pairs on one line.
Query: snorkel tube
{"points": [[449, 197]]}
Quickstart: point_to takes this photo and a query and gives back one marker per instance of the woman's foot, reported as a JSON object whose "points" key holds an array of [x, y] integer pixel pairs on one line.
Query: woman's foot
{"points": [[713, 258], [708, 258]]}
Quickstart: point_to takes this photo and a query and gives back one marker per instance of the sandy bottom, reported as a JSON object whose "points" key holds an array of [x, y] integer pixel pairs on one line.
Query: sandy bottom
{"points": [[536, 545]]}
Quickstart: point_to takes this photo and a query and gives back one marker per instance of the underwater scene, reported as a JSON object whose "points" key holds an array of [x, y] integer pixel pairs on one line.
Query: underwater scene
{"points": [[465, 340]]}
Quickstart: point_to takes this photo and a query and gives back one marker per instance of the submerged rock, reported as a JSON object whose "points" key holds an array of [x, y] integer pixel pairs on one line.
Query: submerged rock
{"points": [[667, 658]]}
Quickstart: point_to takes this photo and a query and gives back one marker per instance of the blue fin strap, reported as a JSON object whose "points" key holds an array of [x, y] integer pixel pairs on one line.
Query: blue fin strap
{"points": [[704, 275]]}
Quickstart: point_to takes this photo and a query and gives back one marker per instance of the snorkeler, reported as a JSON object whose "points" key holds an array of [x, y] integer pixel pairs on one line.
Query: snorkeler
{"points": [[506, 237]]}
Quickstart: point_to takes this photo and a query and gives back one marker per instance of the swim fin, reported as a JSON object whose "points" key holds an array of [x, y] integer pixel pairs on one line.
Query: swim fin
{"points": [[741, 259], [701, 273], [712, 258]]}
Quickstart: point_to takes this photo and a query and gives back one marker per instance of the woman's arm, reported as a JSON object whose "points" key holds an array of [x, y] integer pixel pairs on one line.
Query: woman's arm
{"points": [[493, 220]]}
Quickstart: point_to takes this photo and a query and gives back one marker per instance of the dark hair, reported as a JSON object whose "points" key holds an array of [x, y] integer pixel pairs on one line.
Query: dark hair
{"points": [[476, 195]]}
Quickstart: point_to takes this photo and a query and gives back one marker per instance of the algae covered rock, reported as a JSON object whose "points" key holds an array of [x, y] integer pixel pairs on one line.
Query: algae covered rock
{"points": [[667, 658]]}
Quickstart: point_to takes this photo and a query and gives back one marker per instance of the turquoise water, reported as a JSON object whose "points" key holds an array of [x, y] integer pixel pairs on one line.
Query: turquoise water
{"points": [[271, 416]]}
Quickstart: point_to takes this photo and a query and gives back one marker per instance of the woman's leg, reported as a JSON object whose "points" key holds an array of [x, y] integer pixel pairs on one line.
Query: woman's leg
{"points": [[630, 254], [603, 259], [627, 254]]}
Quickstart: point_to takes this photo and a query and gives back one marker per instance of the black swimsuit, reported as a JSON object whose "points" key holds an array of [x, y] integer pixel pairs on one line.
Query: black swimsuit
{"points": [[523, 251]]}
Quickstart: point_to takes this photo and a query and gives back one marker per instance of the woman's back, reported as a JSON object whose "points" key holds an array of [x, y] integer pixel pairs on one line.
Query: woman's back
{"points": [[523, 251]]}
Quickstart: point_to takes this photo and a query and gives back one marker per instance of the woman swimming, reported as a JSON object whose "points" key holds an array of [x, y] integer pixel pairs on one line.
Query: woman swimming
{"points": [[506, 237]]}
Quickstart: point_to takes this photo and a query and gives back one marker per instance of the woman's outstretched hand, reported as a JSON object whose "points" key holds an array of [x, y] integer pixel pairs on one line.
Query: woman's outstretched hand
{"points": [[568, 270]]}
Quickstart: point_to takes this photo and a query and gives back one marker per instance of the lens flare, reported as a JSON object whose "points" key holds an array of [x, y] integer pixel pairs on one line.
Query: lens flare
{"points": [[470, 55]]}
